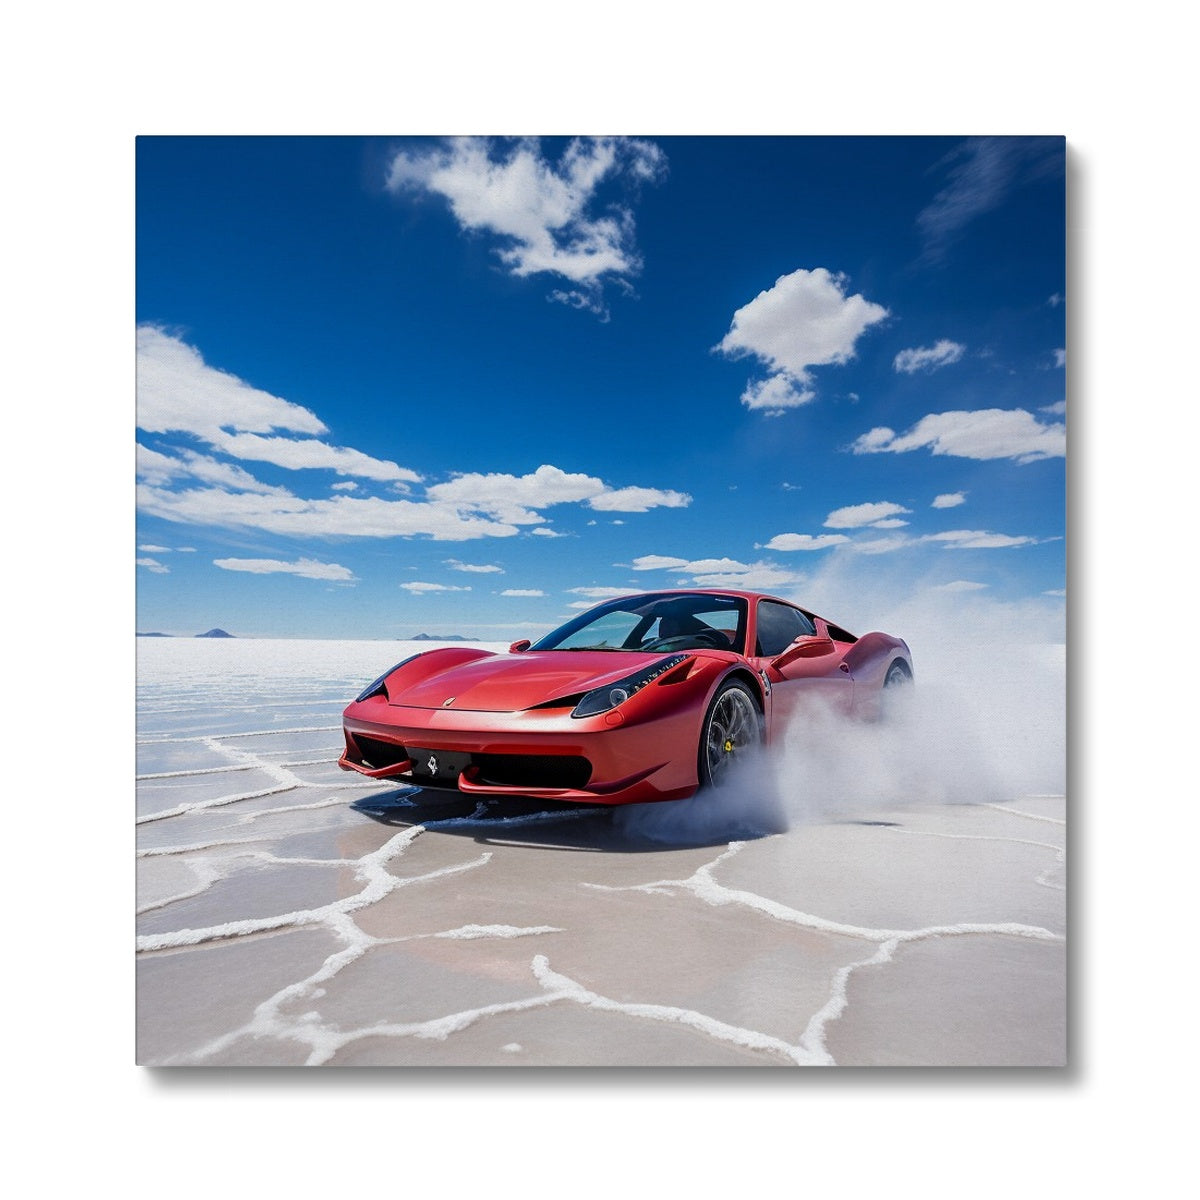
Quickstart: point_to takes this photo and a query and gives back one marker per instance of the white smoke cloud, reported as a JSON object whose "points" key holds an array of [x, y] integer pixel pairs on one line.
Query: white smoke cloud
{"points": [[985, 722]]}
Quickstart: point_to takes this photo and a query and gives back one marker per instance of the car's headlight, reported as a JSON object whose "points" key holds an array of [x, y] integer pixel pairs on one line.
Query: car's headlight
{"points": [[601, 699], [376, 688]]}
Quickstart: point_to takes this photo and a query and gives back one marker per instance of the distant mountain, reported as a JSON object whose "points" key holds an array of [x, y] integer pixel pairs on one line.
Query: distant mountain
{"points": [[215, 633], [156, 635], [441, 637]]}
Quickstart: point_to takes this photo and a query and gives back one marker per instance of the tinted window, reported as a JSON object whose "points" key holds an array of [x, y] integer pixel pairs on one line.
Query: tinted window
{"points": [[610, 631], [779, 625], [643, 622]]}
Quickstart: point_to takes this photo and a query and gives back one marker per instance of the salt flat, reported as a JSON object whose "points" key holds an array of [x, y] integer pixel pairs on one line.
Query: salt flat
{"points": [[291, 914]]}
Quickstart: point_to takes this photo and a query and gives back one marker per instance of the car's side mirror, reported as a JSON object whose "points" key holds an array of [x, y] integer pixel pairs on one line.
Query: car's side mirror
{"points": [[808, 645], [520, 647]]}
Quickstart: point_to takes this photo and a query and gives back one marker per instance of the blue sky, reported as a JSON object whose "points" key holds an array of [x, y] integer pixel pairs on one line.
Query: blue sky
{"points": [[388, 386]]}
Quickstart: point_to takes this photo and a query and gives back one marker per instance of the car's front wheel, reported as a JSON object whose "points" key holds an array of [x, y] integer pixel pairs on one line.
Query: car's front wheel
{"points": [[732, 730]]}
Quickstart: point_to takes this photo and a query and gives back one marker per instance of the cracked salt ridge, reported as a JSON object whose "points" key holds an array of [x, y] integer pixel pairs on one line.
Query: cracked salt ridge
{"points": [[207, 876], [246, 818], [559, 988], [285, 779], [240, 733], [1043, 880], [812, 1044], [199, 771], [1016, 812], [810, 1050], [325, 1042], [379, 884], [702, 884], [371, 868], [246, 766]]}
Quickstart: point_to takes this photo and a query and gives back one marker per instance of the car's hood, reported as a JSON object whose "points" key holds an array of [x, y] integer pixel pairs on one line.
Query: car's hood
{"points": [[511, 682]]}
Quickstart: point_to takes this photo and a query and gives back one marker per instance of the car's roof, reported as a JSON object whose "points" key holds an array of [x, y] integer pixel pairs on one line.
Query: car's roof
{"points": [[681, 591]]}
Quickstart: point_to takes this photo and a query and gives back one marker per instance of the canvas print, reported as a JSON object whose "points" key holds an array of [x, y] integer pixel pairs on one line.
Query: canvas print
{"points": [[601, 601]]}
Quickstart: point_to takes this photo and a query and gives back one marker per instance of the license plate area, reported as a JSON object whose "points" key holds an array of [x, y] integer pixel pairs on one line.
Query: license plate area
{"points": [[438, 768]]}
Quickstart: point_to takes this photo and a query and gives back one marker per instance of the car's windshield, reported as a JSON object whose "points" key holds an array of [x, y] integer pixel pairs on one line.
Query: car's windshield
{"points": [[659, 621]]}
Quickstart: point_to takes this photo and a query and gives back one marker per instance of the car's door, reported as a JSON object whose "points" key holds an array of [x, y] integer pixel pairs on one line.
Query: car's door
{"points": [[800, 659]]}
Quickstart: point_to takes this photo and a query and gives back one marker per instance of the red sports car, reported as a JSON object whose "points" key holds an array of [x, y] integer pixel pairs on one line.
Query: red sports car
{"points": [[647, 697]]}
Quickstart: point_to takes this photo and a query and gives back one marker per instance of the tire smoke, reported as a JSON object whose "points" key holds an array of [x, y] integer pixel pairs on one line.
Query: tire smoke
{"points": [[985, 722]]}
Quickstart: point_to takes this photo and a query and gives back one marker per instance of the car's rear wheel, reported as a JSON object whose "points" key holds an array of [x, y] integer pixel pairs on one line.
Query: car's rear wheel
{"points": [[897, 689], [732, 730]]}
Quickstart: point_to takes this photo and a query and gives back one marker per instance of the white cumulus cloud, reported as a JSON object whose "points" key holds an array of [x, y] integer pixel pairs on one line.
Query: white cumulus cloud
{"points": [[752, 577], [419, 588], [638, 499], [158, 470], [474, 568], [718, 572], [178, 392], [281, 512], [805, 541], [960, 585], [706, 566], [657, 562], [981, 434], [884, 545], [598, 593], [298, 454], [153, 565], [776, 393], [516, 498], [978, 539], [949, 500], [805, 320], [880, 513], [306, 568], [522, 592], [928, 358], [662, 562], [545, 215], [181, 394]]}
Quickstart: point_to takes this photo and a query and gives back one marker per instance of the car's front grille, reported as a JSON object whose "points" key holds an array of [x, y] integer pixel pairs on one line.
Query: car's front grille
{"points": [[376, 754], [441, 768], [533, 770]]}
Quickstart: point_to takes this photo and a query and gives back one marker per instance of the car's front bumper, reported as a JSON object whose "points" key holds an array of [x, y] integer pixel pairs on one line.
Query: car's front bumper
{"points": [[605, 759]]}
